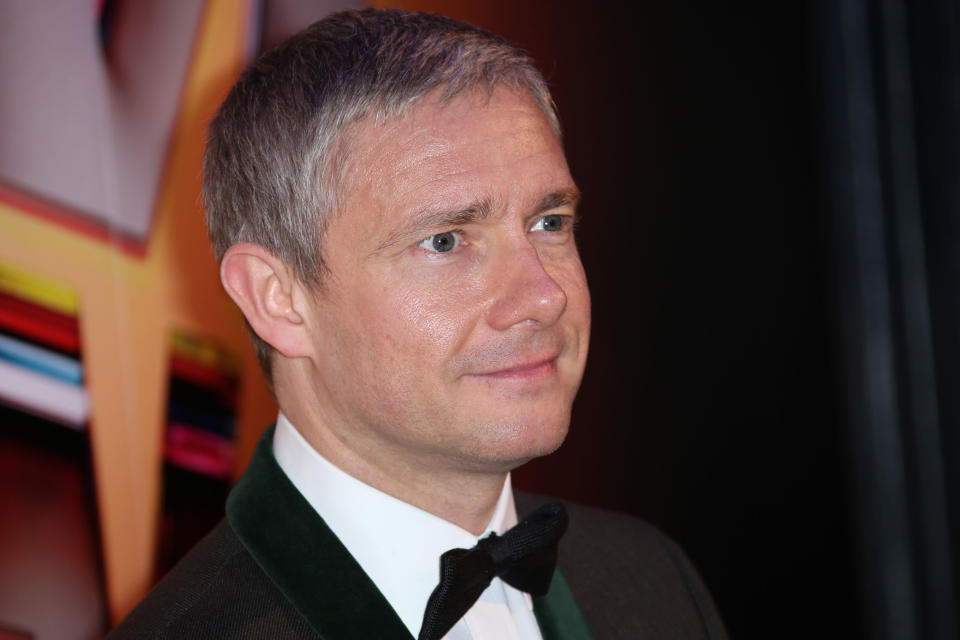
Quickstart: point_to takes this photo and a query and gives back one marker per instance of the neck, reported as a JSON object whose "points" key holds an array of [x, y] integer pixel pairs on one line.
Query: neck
{"points": [[466, 498]]}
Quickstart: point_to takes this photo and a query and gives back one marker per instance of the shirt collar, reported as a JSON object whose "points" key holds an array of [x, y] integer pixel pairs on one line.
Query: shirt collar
{"points": [[397, 544]]}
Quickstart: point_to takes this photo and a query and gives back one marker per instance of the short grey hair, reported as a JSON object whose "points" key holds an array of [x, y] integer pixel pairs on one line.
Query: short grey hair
{"points": [[270, 170]]}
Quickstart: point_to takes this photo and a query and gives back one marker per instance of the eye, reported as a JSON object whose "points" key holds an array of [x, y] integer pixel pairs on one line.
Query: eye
{"points": [[442, 242], [550, 223]]}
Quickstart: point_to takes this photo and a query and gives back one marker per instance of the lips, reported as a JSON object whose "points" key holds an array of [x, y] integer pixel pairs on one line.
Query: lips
{"points": [[528, 369]]}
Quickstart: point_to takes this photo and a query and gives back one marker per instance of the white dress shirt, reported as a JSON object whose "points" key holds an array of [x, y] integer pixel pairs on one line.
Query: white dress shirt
{"points": [[399, 545]]}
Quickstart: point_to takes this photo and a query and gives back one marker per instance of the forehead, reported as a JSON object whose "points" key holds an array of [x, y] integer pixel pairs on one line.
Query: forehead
{"points": [[497, 147]]}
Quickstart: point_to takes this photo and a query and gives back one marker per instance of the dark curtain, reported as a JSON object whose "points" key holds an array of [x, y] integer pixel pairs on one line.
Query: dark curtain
{"points": [[891, 82], [770, 229]]}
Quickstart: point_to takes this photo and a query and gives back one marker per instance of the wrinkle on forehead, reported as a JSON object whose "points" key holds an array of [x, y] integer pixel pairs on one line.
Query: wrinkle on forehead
{"points": [[360, 140], [413, 131], [442, 158]]}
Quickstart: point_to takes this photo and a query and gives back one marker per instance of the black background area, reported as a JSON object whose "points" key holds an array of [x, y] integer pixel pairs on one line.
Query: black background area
{"points": [[708, 406]]}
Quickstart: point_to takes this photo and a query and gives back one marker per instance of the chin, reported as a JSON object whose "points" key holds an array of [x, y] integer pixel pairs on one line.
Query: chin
{"points": [[509, 444]]}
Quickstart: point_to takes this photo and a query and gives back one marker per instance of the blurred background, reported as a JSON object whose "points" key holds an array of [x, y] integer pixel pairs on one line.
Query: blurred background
{"points": [[771, 230]]}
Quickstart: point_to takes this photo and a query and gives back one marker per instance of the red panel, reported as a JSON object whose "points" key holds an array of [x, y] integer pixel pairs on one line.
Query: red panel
{"points": [[199, 374], [39, 323]]}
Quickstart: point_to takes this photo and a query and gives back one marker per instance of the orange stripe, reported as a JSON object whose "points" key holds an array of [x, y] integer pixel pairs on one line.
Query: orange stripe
{"points": [[71, 219]]}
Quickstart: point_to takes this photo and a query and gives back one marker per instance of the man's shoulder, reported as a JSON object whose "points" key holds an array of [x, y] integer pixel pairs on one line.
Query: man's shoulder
{"points": [[629, 578], [216, 591]]}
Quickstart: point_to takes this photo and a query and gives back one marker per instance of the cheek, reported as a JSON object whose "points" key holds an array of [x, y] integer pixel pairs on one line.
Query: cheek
{"points": [[573, 280], [583, 298], [434, 321]]}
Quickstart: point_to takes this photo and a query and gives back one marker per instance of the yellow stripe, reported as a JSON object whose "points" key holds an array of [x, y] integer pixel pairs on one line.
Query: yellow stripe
{"points": [[37, 289], [204, 352]]}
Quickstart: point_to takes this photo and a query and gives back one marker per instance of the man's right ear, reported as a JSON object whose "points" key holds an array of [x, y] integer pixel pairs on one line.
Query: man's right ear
{"points": [[268, 294]]}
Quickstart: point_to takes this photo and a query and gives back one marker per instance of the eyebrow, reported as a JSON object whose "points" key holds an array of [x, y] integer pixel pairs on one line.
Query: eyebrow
{"points": [[476, 212], [558, 199], [434, 219]]}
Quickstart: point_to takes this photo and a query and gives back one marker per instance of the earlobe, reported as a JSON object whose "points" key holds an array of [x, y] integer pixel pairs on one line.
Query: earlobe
{"points": [[264, 289]]}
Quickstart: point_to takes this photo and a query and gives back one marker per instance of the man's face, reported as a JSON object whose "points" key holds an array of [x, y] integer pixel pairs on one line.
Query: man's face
{"points": [[452, 329]]}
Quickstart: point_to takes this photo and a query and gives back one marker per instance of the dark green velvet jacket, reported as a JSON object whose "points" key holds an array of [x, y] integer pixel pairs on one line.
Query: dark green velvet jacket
{"points": [[272, 569]]}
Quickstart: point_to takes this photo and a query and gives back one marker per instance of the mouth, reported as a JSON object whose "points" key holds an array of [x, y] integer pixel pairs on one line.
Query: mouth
{"points": [[529, 370]]}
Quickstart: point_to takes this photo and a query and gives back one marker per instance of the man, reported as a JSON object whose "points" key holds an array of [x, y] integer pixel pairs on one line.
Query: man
{"points": [[389, 199]]}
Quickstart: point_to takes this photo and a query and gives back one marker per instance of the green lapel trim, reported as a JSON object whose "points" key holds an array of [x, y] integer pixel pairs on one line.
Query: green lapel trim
{"points": [[306, 561], [557, 613]]}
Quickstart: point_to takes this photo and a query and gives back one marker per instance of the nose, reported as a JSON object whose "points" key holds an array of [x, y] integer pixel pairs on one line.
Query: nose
{"points": [[525, 292]]}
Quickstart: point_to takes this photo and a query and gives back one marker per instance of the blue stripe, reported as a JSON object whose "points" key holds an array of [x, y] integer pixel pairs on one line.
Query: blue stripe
{"points": [[41, 360]]}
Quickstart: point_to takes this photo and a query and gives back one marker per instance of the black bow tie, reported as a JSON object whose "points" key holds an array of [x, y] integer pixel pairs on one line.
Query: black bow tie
{"points": [[523, 557]]}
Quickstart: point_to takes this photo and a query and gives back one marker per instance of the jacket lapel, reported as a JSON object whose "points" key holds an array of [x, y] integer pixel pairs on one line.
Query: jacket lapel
{"points": [[303, 558], [557, 613]]}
